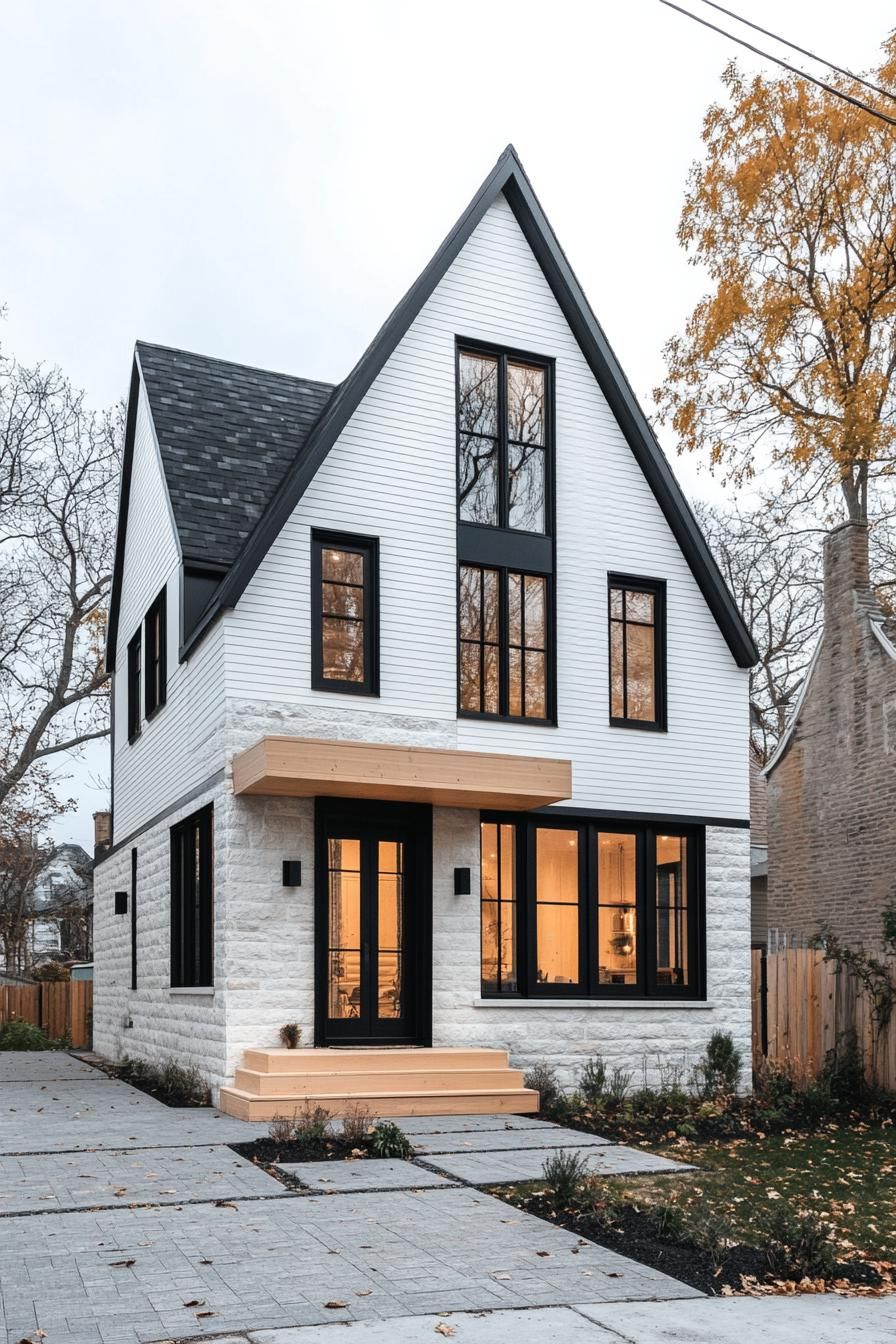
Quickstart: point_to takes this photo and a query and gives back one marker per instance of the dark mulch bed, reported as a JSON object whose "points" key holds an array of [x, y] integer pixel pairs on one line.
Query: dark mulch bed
{"points": [[268, 1152], [633, 1233], [155, 1081]]}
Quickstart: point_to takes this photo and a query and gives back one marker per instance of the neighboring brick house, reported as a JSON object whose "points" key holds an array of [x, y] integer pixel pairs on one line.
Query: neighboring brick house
{"points": [[758, 852], [832, 780]]}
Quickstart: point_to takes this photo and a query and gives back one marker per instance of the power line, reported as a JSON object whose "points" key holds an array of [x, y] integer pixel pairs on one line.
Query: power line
{"points": [[804, 51], [785, 65]]}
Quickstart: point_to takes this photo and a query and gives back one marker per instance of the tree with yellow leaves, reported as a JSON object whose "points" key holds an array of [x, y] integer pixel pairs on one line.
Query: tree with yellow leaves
{"points": [[790, 361]]}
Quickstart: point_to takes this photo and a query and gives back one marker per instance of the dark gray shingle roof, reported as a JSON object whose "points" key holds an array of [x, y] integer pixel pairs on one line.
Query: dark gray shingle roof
{"points": [[227, 435]]}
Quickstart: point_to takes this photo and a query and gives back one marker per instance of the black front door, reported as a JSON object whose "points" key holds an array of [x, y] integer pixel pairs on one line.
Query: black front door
{"points": [[371, 925]]}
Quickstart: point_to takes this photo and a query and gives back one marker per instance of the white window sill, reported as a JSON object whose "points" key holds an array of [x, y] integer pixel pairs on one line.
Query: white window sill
{"points": [[599, 1005], [191, 990]]}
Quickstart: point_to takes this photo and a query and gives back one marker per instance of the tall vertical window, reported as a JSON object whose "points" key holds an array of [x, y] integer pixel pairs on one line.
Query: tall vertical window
{"points": [[499, 944], [135, 717], [637, 652], [345, 615], [503, 424], [672, 959], [557, 921], [617, 909], [192, 901], [503, 633], [156, 656]]}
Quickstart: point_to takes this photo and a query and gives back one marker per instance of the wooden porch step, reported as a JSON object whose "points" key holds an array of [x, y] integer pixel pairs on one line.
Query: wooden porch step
{"points": [[373, 1080], [365, 1060], [510, 1101]]}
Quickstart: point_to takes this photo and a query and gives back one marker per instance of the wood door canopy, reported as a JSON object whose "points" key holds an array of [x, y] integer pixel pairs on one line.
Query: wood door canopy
{"points": [[301, 767]]}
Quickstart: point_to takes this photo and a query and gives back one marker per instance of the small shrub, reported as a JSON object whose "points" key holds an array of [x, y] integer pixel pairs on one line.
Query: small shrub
{"points": [[564, 1174], [799, 1246], [843, 1072], [174, 1084], [311, 1127], [717, 1074], [593, 1080], [710, 1230], [16, 1034], [387, 1140], [290, 1035], [669, 1221], [356, 1125], [280, 1129], [600, 1198], [542, 1078], [619, 1085]]}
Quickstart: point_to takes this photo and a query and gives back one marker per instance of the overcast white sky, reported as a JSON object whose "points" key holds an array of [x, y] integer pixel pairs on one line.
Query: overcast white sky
{"points": [[262, 180]]}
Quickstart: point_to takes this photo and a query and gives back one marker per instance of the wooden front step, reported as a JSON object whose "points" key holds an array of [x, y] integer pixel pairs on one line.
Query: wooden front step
{"points": [[245, 1106], [352, 1083], [350, 1059], [399, 1081]]}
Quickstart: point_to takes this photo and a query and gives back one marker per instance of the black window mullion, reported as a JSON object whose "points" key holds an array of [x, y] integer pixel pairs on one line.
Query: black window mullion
{"points": [[650, 920], [501, 447]]}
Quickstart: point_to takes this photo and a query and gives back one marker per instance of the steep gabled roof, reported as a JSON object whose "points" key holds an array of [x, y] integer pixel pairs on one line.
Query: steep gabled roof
{"points": [[506, 177], [227, 434]]}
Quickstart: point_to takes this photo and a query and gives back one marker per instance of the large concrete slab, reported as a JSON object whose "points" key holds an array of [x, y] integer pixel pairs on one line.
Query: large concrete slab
{"points": [[497, 1327], [824, 1319], [44, 1066], [468, 1124], [48, 1182], [492, 1141], [369, 1173], [527, 1164], [126, 1276]]}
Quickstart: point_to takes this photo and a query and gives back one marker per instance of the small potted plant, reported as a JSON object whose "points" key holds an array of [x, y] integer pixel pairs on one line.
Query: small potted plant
{"points": [[290, 1035]]}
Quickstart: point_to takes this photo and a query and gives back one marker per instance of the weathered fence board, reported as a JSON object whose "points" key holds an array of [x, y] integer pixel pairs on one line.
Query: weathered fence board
{"points": [[808, 1005], [59, 1007]]}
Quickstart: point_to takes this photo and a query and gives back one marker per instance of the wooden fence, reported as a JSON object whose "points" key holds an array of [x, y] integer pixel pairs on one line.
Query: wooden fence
{"points": [[803, 1005], [59, 1007]]}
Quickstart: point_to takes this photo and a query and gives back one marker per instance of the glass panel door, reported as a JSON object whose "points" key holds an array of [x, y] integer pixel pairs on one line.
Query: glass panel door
{"points": [[368, 997]]}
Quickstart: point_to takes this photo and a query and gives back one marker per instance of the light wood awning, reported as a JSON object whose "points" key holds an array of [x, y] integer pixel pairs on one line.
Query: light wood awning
{"points": [[301, 767]]}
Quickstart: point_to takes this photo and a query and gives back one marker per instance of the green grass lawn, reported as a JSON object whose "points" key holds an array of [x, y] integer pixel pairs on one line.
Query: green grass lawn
{"points": [[847, 1175]]}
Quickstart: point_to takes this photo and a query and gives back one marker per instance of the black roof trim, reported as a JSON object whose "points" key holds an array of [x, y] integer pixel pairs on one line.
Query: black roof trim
{"points": [[508, 177], [124, 497]]}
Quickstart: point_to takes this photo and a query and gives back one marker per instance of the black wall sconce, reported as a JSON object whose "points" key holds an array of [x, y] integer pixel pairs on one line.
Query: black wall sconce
{"points": [[292, 873], [461, 881], [121, 902]]}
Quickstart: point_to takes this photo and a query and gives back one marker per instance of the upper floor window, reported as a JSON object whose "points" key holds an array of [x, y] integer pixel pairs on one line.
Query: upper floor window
{"points": [[155, 648], [504, 636], [192, 901], [344, 613], [133, 686], [637, 620], [503, 403]]}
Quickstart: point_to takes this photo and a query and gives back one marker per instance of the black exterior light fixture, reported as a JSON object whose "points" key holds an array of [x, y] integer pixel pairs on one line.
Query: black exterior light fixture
{"points": [[461, 881], [292, 873], [121, 902]]}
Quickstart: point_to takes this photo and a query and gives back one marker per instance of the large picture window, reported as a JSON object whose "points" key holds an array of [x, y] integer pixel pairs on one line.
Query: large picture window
{"points": [[503, 632], [345, 613], [503, 422], [637, 620], [192, 901], [589, 909]]}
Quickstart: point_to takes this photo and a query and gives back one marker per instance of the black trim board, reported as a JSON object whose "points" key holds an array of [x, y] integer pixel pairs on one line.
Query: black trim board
{"points": [[124, 497], [670, 819], [508, 177]]}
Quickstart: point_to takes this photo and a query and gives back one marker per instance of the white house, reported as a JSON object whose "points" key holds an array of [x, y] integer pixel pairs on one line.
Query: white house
{"points": [[430, 709]]}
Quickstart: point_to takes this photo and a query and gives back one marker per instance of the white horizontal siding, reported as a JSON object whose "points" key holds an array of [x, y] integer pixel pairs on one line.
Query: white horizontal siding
{"points": [[392, 475], [181, 746]]}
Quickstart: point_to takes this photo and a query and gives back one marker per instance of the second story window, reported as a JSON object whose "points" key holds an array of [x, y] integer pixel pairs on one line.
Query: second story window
{"points": [[637, 621], [503, 425], [134, 680], [344, 613], [155, 676], [503, 632]]}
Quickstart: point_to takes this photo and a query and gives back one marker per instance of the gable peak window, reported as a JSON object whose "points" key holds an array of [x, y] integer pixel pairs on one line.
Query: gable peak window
{"points": [[155, 645], [637, 627], [345, 613], [503, 405]]}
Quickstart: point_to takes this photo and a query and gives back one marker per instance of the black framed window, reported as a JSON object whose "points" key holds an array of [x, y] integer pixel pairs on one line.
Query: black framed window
{"points": [[637, 625], [192, 901], [591, 909], [504, 645], [504, 418], [155, 656], [135, 716], [344, 613]]}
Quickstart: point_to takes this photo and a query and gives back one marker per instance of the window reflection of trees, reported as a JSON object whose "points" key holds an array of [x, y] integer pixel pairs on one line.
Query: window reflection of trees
{"points": [[487, 448]]}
